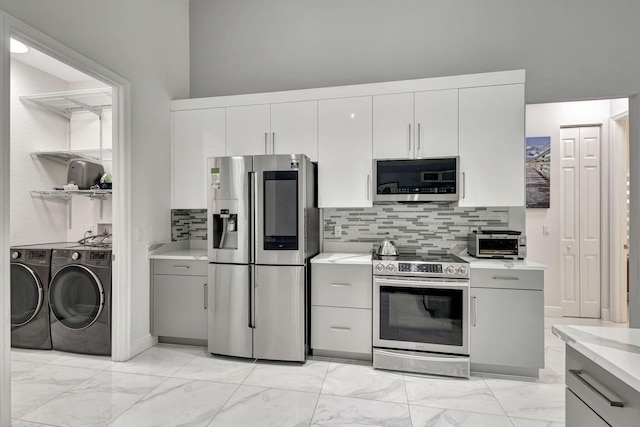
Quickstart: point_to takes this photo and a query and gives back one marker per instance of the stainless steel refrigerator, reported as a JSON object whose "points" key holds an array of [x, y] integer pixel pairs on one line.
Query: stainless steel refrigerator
{"points": [[262, 231]]}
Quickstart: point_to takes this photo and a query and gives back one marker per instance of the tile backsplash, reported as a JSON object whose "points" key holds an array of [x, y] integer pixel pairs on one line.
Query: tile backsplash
{"points": [[414, 228], [188, 224]]}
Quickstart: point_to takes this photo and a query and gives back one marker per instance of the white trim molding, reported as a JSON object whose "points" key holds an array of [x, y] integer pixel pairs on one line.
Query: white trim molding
{"points": [[552, 311]]}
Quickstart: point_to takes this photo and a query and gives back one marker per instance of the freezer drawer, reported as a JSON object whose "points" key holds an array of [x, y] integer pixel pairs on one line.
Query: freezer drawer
{"points": [[229, 316], [280, 323]]}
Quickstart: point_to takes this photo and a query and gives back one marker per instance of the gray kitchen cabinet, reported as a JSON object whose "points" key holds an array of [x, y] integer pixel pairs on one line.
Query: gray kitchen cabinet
{"points": [[341, 299], [179, 299], [507, 321], [596, 397]]}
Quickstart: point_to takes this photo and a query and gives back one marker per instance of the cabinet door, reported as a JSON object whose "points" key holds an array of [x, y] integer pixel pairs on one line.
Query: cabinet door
{"points": [[393, 126], [345, 152], [197, 134], [248, 130], [436, 123], [492, 145], [294, 128], [180, 306], [507, 327]]}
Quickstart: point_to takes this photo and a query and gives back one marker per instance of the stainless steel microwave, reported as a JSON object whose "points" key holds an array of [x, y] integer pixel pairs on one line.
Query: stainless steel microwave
{"points": [[434, 179]]}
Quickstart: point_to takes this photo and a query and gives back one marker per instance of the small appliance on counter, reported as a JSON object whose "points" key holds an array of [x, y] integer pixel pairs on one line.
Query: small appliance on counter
{"points": [[84, 173], [502, 244]]}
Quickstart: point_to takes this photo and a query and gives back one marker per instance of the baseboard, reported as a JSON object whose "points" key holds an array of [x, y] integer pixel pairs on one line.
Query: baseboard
{"points": [[605, 314], [142, 344], [552, 311]]}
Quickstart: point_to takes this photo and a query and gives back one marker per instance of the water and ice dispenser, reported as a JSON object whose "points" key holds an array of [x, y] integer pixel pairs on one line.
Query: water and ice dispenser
{"points": [[225, 224]]}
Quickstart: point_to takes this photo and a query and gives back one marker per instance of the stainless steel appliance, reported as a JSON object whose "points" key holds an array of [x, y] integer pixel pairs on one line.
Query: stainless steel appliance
{"points": [[30, 268], [497, 244], [421, 314], [263, 228], [416, 180]]}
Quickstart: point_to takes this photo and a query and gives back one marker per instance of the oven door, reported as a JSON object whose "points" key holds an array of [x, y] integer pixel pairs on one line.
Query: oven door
{"points": [[421, 314]]}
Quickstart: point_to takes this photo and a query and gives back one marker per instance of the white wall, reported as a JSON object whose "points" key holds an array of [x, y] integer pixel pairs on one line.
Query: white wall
{"points": [[546, 120], [34, 219], [571, 49]]}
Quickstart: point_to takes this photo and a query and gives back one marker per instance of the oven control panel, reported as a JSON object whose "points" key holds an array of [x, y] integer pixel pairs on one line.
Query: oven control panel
{"points": [[421, 269]]}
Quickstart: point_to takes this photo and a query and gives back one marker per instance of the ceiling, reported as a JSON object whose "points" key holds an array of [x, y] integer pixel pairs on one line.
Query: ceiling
{"points": [[50, 65]]}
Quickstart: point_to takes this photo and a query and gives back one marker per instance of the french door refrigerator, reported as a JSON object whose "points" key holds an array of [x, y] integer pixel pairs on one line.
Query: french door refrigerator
{"points": [[262, 231]]}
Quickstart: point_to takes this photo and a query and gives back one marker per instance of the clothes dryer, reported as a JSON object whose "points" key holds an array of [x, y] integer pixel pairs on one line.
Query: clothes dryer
{"points": [[80, 300], [30, 269]]}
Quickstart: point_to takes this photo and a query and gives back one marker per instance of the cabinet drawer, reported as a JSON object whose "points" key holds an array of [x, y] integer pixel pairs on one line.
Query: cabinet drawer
{"points": [[507, 278], [341, 329], [596, 387], [341, 285], [180, 267]]}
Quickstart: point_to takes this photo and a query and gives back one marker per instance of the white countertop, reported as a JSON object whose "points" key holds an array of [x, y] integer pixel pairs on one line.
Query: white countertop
{"points": [[184, 250], [615, 349], [341, 258], [517, 264]]}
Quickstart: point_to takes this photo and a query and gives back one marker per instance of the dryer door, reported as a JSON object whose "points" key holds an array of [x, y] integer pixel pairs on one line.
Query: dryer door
{"points": [[27, 294], [76, 297]]}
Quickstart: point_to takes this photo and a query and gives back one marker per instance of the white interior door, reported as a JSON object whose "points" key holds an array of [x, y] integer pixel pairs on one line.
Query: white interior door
{"points": [[580, 213]]}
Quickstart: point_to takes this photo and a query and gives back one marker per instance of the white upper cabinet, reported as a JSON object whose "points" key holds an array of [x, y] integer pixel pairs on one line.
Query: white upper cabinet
{"points": [[410, 125], [393, 126], [436, 123], [294, 128], [492, 145], [197, 134], [345, 152], [248, 130]]}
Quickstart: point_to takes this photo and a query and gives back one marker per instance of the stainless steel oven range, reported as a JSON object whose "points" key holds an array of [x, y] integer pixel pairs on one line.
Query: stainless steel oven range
{"points": [[421, 314]]}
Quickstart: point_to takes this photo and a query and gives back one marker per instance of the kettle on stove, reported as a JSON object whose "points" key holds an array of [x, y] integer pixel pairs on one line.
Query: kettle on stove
{"points": [[387, 247]]}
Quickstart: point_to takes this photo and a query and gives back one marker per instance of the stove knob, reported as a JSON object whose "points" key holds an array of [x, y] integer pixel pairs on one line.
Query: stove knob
{"points": [[380, 267], [450, 269], [462, 270], [75, 256], [15, 255], [391, 268]]}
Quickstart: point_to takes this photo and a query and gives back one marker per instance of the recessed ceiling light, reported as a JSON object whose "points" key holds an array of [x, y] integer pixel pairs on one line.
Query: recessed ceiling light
{"points": [[18, 47]]}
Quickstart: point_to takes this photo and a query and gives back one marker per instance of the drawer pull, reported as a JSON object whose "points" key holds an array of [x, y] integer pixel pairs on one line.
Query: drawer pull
{"points": [[340, 329], [505, 278], [181, 266], [340, 285], [578, 374]]}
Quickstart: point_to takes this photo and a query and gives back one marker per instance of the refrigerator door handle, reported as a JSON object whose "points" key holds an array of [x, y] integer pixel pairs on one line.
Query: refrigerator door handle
{"points": [[250, 311], [253, 294], [253, 205]]}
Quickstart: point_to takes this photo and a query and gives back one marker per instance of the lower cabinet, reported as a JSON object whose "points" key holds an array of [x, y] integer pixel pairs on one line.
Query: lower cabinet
{"points": [[507, 321], [595, 396], [341, 310], [180, 299]]}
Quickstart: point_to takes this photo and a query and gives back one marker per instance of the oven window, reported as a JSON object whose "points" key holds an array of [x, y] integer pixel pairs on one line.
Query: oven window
{"points": [[422, 315]]}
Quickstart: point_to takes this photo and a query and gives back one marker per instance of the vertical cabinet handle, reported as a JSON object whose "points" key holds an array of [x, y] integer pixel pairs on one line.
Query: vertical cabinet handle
{"points": [[368, 186], [464, 185], [418, 149], [266, 146], [273, 143], [206, 296], [474, 306], [409, 141]]}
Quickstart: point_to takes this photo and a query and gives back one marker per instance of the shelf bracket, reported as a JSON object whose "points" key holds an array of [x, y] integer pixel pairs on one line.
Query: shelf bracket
{"points": [[95, 110]]}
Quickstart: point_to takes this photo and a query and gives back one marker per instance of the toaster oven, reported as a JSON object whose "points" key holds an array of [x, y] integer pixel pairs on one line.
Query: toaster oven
{"points": [[506, 244]]}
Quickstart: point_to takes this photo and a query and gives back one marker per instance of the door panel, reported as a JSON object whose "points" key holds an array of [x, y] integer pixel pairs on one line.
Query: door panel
{"points": [[580, 212], [229, 310], [280, 327]]}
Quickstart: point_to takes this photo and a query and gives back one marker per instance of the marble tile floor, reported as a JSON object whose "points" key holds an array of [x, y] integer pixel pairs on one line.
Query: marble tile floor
{"points": [[171, 385]]}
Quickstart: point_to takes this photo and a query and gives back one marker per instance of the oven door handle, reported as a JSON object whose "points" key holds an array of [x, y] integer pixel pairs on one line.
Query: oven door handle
{"points": [[423, 283]]}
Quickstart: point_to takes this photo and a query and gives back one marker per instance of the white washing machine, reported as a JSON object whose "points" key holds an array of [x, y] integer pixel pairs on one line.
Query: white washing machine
{"points": [[80, 300], [30, 268]]}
